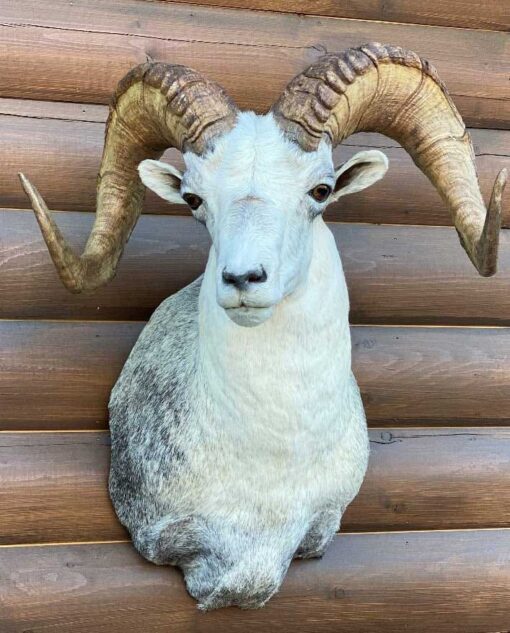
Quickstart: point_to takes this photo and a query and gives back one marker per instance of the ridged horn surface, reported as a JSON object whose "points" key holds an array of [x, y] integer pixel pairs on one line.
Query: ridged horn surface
{"points": [[155, 106], [386, 89]]}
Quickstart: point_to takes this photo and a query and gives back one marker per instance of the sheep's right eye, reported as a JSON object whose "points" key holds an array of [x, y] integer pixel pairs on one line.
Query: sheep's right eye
{"points": [[320, 192], [192, 200]]}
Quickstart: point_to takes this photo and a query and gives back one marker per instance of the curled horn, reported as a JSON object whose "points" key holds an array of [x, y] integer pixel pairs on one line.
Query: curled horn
{"points": [[386, 89], [155, 106]]}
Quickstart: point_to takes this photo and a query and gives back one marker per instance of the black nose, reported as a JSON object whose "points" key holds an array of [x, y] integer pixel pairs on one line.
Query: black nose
{"points": [[256, 276]]}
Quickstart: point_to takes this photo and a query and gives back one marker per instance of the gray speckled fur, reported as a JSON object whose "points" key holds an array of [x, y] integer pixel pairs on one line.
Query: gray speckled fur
{"points": [[149, 406]]}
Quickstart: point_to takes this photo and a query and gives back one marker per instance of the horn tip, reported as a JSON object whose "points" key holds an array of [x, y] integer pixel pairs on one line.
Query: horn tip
{"points": [[487, 250], [497, 193], [502, 178], [488, 273], [25, 182]]}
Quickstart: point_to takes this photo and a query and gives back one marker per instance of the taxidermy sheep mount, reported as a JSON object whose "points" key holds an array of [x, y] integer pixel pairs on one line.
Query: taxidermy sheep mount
{"points": [[237, 448]]}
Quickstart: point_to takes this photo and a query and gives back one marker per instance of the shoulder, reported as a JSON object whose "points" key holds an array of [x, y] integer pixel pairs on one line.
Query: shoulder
{"points": [[179, 311], [163, 358], [174, 322]]}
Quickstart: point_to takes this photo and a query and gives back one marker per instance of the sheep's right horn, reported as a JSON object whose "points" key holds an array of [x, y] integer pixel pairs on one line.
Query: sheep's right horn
{"points": [[155, 106]]}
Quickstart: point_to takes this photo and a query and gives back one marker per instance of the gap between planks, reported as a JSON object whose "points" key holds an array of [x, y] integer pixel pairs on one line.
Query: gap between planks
{"points": [[339, 534], [354, 325], [485, 430]]}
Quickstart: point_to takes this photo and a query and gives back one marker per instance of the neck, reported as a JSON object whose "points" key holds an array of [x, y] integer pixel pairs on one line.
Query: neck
{"points": [[307, 334]]}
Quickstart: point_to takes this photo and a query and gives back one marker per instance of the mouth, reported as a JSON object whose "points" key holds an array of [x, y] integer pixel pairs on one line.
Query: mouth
{"points": [[247, 316]]}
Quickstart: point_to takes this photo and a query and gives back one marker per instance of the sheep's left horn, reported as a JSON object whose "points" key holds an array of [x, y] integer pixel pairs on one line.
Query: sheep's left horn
{"points": [[155, 106], [386, 89]]}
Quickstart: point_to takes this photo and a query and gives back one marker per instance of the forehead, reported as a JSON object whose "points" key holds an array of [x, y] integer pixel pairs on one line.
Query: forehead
{"points": [[255, 153]]}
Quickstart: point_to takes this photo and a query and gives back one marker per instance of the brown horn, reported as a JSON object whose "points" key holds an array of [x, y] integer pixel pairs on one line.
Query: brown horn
{"points": [[386, 89], [155, 106]]}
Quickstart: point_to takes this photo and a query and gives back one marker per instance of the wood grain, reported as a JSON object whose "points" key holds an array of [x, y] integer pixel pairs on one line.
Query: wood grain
{"points": [[457, 13], [441, 478], [59, 110], [53, 486], [58, 375], [395, 274], [78, 51], [419, 275], [59, 147], [428, 582], [432, 375]]}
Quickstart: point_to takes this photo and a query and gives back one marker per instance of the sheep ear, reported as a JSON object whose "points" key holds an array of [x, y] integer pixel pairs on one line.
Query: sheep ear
{"points": [[360, 172], [163, 179]]}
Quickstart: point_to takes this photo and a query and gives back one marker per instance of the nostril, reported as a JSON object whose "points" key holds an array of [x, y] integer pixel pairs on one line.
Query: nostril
{"points": [[255, 276], [230, 278]]}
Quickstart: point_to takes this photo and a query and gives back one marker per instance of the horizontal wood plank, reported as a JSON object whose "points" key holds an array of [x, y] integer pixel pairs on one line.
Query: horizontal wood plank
{"points": [[58, 375], [53, 486], [419, 275], [395, 274], [78, 51], [59, 146], [432, 375], [58, 110], [428, 582], [60, 371], [457, 13], [434, 478]]}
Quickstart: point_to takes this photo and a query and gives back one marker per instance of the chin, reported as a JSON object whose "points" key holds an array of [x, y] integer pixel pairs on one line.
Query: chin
{"points": [[249, 317]]}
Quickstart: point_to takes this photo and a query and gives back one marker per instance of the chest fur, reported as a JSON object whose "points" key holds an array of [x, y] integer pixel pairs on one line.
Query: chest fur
{"points": [[285, 382]]}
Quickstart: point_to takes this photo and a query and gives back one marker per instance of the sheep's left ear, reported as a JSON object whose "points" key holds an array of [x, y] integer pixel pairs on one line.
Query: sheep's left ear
{"points": [[361, 171]]}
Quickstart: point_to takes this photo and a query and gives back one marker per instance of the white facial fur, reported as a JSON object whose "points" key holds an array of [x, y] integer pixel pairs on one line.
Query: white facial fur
{"points": [[256, 205]]}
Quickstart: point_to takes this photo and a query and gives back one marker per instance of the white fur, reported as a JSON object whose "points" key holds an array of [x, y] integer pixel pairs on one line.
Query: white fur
{"points": [[303, 437], [235, 449], [256, 206]]}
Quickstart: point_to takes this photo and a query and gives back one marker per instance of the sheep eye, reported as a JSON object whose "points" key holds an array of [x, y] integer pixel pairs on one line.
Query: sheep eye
{"points": [[192, 200], [320, 192]]}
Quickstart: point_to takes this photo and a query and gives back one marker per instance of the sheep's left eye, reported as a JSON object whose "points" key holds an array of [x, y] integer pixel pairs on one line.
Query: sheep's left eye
{"points": [[192, 200], [320, 192]]}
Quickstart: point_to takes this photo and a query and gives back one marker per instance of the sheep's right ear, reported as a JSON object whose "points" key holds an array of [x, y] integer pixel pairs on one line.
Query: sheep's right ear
{"points": [[358, 173], [163, 179]]}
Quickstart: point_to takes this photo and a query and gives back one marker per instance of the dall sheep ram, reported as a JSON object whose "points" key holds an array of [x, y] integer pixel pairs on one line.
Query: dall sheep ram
{"points": [[238, 431]]}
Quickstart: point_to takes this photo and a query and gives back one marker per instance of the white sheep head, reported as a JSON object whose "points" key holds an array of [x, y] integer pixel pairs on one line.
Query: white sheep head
{"points": [[250, 177], [259, 193]]}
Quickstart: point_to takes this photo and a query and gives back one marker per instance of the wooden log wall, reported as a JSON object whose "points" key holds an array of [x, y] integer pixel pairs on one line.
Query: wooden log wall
{"points": [[426, 545]]}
